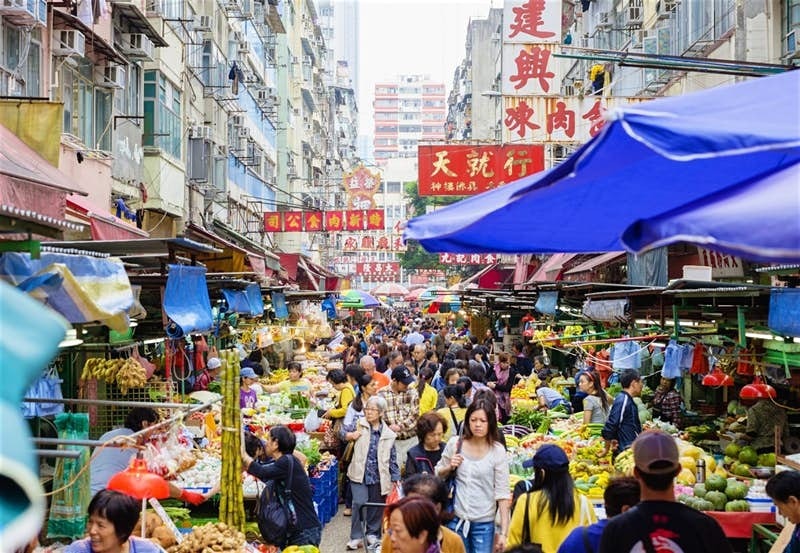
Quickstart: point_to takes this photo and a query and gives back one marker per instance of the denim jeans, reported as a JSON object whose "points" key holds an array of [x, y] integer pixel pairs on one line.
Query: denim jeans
{"points": [[480, 538]]}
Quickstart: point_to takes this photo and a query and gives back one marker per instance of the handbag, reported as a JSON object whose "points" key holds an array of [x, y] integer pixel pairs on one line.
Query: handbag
{"points": [[275, 510], [347, 454], [332, 438], [451, 483]]}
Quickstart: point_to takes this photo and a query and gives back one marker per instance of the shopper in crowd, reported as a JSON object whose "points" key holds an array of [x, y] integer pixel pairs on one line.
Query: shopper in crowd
{"points": [[623, 425], [428, 397], [659, 522], [595, 402], [208, 375], [524, 364], [112, 518], [353, 373], [257, 362], [550, 398], [450, 378], [620, 495], [296, 383], [433, 488], [382, 359], [440, 342], [402, 410], [667, 402], [480, 465], [289, 471], [372, 471], [454, 410], [553, 507], [247, 395], [784, 489], [413, 526], [424, 456], [419, 357], [501, 379], [368, 364], [367, 388], [543, 371]]}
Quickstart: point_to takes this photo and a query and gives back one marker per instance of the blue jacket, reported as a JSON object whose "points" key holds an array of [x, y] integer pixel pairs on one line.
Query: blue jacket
{"points": [[623, 421]]}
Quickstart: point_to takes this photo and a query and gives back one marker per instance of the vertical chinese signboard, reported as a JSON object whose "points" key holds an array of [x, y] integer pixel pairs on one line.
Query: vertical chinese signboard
{"points": [[360, 186], [461, 170]]}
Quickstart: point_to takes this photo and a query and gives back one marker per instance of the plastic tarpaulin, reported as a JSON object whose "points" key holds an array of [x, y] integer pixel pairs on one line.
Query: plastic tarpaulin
{"points": [[246, 302], [784, 311], [186, 301], [546, 303], [29, 337], [82, 288], [650, 160]]}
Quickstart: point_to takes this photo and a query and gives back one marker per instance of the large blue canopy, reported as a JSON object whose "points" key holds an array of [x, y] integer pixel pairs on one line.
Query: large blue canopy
{"points": [[651, 162]]}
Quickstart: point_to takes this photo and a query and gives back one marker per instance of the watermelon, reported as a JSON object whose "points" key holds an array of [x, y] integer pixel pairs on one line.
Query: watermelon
{"points": [[735, 490], [719, 500], [700, 490], [716, 483]]}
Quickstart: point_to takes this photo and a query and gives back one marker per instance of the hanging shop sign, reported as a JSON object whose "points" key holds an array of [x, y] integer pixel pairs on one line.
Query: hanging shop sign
{"points": [[557, 119], [722, 265], [468, 259], [463, 170], [532, 21], [360, 187], [370, 270], [373, 242], [318, 221]]}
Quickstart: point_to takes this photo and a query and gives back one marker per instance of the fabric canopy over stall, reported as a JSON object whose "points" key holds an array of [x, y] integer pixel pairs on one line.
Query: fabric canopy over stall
{"points": [[81, 288], [186, 301], [104, 226], [668, 157], [246, 302]]}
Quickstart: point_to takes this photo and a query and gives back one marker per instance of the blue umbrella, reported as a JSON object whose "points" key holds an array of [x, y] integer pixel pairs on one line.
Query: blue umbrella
{"points": [[649, 160]]}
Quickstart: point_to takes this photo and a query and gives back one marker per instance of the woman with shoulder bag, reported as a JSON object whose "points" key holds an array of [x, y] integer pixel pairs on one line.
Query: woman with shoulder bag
{"points": [[480, 464], [367, 387]]}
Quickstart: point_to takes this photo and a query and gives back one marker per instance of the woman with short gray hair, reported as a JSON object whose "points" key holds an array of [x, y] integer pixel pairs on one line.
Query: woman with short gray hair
{"points": [[372, 470]]}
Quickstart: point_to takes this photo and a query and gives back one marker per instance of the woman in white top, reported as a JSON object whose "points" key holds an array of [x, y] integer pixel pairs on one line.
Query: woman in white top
{"points": [[595, 404], [481, 475]]}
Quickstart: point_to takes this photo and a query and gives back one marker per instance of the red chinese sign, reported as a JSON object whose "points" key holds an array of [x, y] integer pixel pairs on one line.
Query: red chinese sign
{"points": [[460, 170], [378, 269], [468, 259], [532, 21], [360, 187], [373, 242], [317, 221]]}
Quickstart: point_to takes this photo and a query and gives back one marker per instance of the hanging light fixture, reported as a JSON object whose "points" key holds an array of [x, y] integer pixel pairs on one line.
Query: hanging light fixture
{"points": [[138, 483], [757, 390], [717, 378]]}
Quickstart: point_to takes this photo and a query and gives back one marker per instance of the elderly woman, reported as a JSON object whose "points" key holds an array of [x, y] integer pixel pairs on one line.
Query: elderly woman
{"points": [[424, 456], [112, 517], [413, 526], [367, 387], [372, 470], [480, 466]]}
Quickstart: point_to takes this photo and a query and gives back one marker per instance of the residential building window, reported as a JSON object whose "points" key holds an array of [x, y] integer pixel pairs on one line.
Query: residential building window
{"points": [[20, 61], [162, 114], [393, 187], [87, 109]]}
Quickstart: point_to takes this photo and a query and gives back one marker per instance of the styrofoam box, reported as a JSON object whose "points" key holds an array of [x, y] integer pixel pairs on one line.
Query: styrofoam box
{"points": [[761, 505], [697, 272]]}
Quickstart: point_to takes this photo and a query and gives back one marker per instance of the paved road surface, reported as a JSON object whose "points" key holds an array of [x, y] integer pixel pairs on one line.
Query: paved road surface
{"points": [[336, 533]]}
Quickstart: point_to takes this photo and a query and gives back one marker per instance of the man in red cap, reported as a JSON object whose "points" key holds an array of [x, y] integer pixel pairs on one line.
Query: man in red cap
{"points": [[658, 522]]}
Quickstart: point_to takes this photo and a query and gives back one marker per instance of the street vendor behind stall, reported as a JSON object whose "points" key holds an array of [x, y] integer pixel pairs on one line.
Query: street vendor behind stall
{"points": [[762, 418]]}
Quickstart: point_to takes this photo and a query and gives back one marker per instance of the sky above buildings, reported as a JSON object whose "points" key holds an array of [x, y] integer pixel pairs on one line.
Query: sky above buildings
{"points": [[412, 37]]}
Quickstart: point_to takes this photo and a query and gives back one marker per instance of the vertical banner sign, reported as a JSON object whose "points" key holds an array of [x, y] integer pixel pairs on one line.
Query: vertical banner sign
{"points": [[461, 170], [360, 186]]}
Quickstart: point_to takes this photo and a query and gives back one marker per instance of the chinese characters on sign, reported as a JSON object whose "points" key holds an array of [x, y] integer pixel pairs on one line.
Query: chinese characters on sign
{"points": [[317, 221], [554, 119], [461, 170], [530, 70], [373, 242], [722, 265], [370, 270], [360, 187], [532, 21], [468, 258]]}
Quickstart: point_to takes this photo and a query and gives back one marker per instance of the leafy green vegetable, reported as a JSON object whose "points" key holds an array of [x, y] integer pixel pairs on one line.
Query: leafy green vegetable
{"points": [[527, 417], [311, 451]]}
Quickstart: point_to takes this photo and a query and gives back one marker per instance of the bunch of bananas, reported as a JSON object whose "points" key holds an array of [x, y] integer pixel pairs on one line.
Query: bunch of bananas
{"points": [[624, 462], [278, 375], [569, 332], [126, 373]]}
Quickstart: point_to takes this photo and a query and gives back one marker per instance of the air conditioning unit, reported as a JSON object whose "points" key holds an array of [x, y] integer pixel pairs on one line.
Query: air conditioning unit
{"points": [[23, 12], [665, 7], [243, 132], [791, 45], [605, 20], [244, 47], [110, 76], [136, 45], [202, 131], [202, 23], [68, 42]]}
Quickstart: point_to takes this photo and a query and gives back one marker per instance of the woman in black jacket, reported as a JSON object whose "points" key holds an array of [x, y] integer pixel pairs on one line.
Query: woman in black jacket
{"points": [[280, 447]]}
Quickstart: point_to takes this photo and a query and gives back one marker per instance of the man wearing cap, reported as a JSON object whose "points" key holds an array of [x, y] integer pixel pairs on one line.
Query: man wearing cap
{"points": [[402, 411], [207, 376], [659, 523], [623, 425]]}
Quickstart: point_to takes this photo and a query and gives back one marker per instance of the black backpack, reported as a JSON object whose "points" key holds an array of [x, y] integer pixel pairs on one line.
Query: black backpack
{"points": [[275, 510]]}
